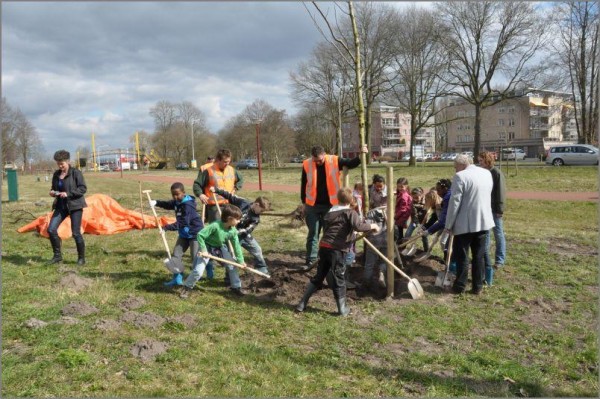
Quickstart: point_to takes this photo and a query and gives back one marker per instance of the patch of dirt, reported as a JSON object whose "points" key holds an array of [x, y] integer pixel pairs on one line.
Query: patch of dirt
{"points": [[17, 348], [539, 311], [35, 323], [132, 302], [78, 309], [187, 320], [570, 249], [143, 320], [148, 349], [288, 283], [75, 283], [107, 325]]}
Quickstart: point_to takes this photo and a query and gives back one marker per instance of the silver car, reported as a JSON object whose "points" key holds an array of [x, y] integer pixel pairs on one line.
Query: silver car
{"points": [[575, 154]]}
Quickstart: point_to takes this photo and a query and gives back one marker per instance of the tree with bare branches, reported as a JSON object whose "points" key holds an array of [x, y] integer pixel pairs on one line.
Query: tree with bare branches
{"points": [[490, 48], [578, 25], [419, 62]]}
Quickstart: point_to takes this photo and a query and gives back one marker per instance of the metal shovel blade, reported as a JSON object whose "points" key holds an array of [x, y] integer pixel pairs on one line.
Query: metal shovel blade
{"points": [[174, 265], [409, 251], [415, 289], [421, 258], [439, 279]]}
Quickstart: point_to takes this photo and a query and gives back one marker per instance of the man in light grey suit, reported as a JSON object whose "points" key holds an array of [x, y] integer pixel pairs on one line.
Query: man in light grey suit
{"points": [[469, 218]]}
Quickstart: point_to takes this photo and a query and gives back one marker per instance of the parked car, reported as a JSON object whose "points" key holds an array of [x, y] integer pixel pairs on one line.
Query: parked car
{"points": [[104, 168], [247, 164], [452, 156], [428, 156], [512, 154], [576, 154], [297, 160], [406, 157], [182, 166]]}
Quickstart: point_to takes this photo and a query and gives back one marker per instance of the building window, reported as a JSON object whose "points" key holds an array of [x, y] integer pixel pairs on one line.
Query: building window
{"points": [[502, 135], [511, 109], [500, 122], [511, 122], [511, 135], [501, 110]]}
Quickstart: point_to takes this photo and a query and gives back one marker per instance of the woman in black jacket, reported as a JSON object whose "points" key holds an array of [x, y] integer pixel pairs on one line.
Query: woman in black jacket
{"points": [[68, 188]]}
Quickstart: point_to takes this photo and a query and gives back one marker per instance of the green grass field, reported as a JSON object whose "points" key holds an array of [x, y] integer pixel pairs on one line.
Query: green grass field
{"points": [[534, 333]]}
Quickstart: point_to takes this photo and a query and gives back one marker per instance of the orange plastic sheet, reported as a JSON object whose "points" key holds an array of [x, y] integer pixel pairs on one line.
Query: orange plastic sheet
{"points": [[103, 215]]}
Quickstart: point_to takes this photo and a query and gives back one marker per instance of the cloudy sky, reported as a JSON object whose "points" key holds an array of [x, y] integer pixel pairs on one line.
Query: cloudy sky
{"points": [[75, 68]]}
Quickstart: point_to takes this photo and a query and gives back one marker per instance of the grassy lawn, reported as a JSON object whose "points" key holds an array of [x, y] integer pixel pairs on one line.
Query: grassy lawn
{"points": [[533, 334]]}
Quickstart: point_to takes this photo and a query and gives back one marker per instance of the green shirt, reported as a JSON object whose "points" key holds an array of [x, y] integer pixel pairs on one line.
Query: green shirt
{"points": [[216, 235]]}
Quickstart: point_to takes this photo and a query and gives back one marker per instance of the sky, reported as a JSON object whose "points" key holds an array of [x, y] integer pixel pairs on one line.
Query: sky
{"points": [[77, 68], [74, 68]]}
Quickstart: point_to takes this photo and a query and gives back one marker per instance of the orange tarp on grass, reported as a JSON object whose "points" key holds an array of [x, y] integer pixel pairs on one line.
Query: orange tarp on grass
{"points": [[103, 215]]}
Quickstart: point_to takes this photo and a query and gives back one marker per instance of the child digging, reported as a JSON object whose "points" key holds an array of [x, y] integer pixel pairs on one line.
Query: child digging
{"points": [[212, 239], [188, 224], [339, 224], [250, 219]]}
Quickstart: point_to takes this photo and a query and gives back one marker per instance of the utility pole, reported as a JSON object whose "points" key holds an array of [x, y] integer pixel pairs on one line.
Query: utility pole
{"points": [[258, 158]]}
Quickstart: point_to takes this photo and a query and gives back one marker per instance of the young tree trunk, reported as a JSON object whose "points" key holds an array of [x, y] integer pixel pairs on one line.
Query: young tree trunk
{"points": [[360, 109]]}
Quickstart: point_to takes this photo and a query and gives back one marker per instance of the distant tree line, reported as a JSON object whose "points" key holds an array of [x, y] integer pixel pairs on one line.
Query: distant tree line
{"points": [[20, 140]]}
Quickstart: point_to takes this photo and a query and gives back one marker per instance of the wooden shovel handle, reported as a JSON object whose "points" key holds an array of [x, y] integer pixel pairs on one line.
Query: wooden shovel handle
{"points": [[385, 259], [160, 229], [238, 265]]}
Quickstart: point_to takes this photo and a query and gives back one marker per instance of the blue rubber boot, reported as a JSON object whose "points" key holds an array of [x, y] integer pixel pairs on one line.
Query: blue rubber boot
{"points": [[452, 268], [489, 276], [177, 280], [210, 270]]}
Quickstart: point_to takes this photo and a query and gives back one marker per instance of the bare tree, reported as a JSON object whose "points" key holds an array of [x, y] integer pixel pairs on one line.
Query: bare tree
{"points": [[26, 137], [577, 47], [311, 129], [351, 52], [322, 80], [165, 116], [489, 42], [9, 148], [419, 63]]}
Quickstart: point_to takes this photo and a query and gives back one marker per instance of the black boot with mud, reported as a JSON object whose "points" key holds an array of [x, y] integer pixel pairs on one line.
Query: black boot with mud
{"points": [[311, 289], [56, 244]]}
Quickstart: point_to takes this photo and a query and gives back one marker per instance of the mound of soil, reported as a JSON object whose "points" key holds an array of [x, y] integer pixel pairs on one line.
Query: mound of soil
{"points": [[75, 283], [107, 325], [187, 320], [132, 302], [143, 320], [148, 349], [78, 309], [288, 282], [35, 323]]}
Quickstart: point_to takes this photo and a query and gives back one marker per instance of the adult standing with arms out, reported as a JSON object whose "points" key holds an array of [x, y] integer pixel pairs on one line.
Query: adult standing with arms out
{"points": [[486, 160], [469, 218], [219, 175], [319, 186], [68, 189]]}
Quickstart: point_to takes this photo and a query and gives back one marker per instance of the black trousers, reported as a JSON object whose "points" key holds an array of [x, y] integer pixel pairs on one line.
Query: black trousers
{"points": [[460, 249], [331, 266]]}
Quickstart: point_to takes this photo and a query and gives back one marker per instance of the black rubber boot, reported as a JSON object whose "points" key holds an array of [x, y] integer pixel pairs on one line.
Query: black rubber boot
{"points": [[56, 244], [80, 253], [310, 289], [343, 308]]}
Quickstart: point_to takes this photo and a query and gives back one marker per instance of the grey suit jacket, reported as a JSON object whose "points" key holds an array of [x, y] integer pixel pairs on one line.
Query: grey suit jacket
{"points": [[470, 209]]}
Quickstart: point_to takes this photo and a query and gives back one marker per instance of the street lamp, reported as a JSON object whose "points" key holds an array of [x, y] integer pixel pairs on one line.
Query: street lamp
{"points": [[193, 162], [257, 124]]}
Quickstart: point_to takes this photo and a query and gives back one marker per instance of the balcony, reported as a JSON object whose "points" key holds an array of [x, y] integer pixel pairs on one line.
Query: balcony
{"points": [[539, 126], [391, 136], [539, 112]]}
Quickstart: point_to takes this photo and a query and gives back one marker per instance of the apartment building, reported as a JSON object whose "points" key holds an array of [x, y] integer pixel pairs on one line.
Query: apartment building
{"points": [[390, 134], [530, 122]]}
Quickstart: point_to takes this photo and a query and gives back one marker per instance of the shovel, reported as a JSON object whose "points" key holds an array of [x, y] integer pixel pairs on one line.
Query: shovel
{"points": [[442, 279], [238, 265], [219, 211], [174, 265], [414, 287], [428, 253]]}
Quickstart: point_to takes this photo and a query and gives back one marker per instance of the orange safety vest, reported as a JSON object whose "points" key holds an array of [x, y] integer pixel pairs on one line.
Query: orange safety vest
{"points": [[205, 166], [332, 173], [225, 180]]}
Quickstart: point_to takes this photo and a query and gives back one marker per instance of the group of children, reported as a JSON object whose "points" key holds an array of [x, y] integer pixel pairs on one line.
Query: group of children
{"points": [[415, 210], [220, 238]]}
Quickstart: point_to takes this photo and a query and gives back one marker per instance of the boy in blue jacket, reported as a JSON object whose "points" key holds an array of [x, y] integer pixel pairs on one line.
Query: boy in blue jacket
{"points": [[250, 219], [188, 223]]}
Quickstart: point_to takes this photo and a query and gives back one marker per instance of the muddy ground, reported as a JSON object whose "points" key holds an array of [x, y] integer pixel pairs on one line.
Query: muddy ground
{"points": [[288, 281]]}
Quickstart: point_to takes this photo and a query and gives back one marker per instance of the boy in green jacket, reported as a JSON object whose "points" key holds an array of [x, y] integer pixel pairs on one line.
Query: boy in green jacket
{"points": [[212, 239]]}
